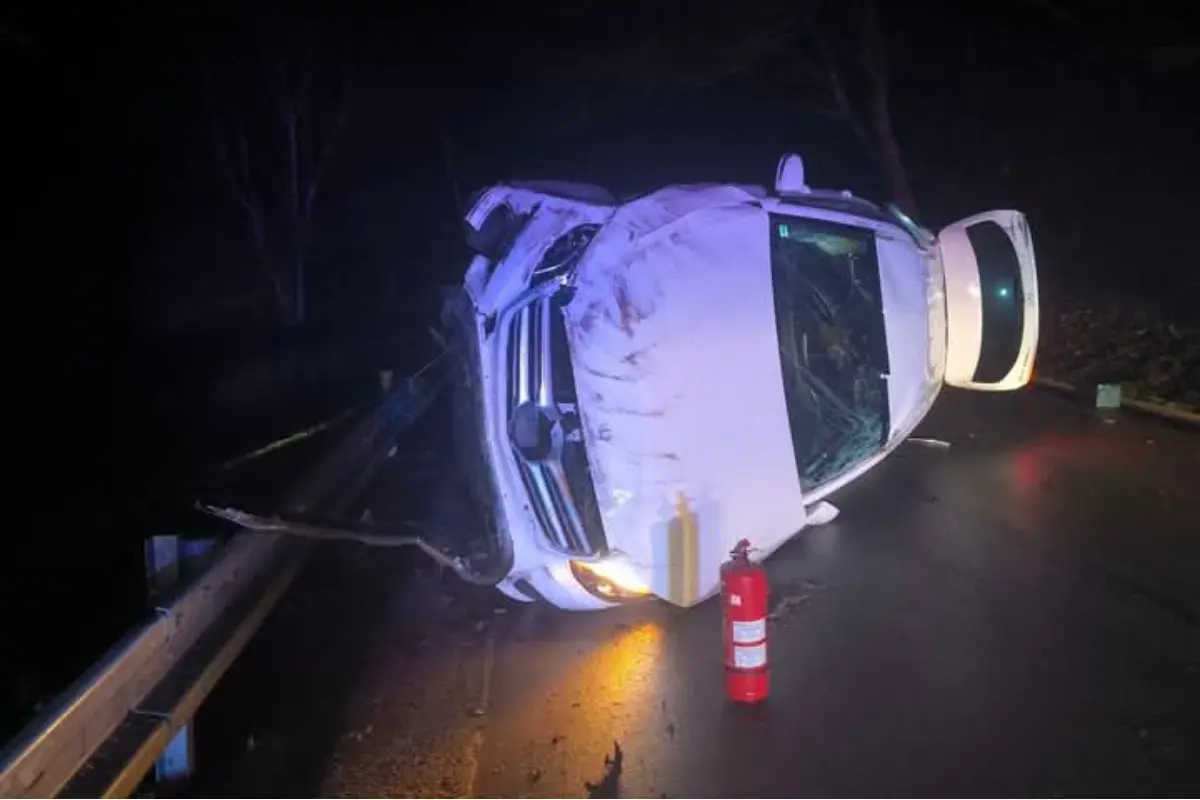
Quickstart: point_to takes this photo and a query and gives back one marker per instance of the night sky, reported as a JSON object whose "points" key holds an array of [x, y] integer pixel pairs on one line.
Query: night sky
{"points": [[1082, 114], [1078, 113]]}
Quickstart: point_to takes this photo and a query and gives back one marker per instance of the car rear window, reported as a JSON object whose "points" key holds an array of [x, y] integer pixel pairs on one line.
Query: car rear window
{"points": [[1002, 300]]}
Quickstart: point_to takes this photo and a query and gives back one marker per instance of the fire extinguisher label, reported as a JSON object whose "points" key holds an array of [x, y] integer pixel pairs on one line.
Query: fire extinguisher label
{"points": [[750, 632], [750, 657]]}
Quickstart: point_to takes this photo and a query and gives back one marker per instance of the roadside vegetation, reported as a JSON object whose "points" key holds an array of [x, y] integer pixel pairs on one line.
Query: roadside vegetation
{"points": [[1152, 351]]}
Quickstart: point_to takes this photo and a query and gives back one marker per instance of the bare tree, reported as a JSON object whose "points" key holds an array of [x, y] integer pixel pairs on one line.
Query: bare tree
{"points": [[277, 114], [834, 55], [1153, 39], [852, 71], [15, 38]]}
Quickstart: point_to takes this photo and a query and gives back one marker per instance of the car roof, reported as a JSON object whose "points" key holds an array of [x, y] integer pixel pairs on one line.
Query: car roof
{"points": [[844, 202]]}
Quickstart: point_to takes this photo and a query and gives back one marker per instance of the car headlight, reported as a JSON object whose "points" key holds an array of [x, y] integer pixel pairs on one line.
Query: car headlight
{"points": [[564, 253], [612, 579]]}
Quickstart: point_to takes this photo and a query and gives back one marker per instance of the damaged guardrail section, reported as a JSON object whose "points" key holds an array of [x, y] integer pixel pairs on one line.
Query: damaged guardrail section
{"points": [[1113, 396], [102, 736], [114, 696]]}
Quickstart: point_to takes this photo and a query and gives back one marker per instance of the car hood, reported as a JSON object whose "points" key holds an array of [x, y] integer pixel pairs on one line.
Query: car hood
{"points": [[684, 415]]}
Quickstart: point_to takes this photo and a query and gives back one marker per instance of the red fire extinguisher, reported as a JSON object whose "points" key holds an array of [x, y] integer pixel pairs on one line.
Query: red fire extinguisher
{"points": [[744, 617]]}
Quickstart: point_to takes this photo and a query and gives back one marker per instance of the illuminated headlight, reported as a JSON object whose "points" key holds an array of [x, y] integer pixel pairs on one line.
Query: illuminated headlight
{"points": [[612, 579]]}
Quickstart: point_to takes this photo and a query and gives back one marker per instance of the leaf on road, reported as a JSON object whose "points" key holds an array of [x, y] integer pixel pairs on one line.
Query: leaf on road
{"points": [[786, 603], [608, 786]]}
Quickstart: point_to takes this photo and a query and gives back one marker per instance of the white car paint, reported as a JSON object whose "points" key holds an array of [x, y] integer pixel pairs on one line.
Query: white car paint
{"points": [[959, 262], [676, 363]]}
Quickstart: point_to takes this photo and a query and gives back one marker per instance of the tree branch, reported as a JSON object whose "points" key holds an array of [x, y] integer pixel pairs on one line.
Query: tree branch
{"points": [[874, 50], [18, 38], [298, 108], [308, 530], [319, 165], [235, 164], [1055, 10], [836, 87]]}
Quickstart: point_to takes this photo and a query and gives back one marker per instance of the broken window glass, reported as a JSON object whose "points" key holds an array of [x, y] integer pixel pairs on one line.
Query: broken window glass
{"points": [[832, 343]]}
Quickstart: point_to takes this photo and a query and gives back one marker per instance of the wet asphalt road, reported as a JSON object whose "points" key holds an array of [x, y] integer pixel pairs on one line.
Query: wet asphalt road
{"points": [[1017, 615]]}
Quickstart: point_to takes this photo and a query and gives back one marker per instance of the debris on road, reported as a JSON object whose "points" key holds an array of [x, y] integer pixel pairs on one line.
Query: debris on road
{"points": [[360, 735], [791, 597], [822, 513], [936, 444], [784, 605], [309, 530], [608, 785]]}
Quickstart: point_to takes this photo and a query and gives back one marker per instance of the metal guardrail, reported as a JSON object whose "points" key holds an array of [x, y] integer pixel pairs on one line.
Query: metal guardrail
{"points": [[103, 734], [1173, 413]]}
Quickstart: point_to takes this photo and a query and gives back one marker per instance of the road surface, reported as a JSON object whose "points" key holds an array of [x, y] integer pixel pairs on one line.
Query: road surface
{"points": [[1019, 614]]}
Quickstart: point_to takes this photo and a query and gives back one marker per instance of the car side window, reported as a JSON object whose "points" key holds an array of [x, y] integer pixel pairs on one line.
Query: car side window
{"points": [[832, 344]]}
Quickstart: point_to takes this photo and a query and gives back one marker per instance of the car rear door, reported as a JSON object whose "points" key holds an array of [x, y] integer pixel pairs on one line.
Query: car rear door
{"points": [[991, 301]]}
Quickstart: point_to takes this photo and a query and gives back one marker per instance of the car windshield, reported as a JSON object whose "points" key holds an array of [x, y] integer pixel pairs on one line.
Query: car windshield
{"points": [[832, 343]]}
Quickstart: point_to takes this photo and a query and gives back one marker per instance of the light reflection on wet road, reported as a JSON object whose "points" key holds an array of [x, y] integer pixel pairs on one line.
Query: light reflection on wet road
{"points": [[1019, 614]]}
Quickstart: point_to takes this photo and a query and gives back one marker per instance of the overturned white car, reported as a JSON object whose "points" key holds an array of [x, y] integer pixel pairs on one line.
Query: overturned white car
{"points": [[643, 383]]}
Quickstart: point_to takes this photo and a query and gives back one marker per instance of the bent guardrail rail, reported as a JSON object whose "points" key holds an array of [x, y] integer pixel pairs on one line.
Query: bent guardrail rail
{"points": [[103, 734], [1168, 411]]}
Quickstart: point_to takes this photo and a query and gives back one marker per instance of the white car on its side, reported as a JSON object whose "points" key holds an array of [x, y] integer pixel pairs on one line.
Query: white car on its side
{"points": [[643, 383]]}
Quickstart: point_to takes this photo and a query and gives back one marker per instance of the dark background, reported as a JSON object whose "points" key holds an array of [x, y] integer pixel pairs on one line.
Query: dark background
{"points": [[139, 347]]}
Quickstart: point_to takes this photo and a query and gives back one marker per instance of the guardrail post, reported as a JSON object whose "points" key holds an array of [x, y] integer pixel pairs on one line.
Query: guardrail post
{"points": [[1108, 395], [170, 562], [1108, 401], [178, 760]]}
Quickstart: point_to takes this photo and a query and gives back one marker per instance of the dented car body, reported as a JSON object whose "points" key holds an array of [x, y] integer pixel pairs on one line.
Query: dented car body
{"points": [[650, 381]]}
